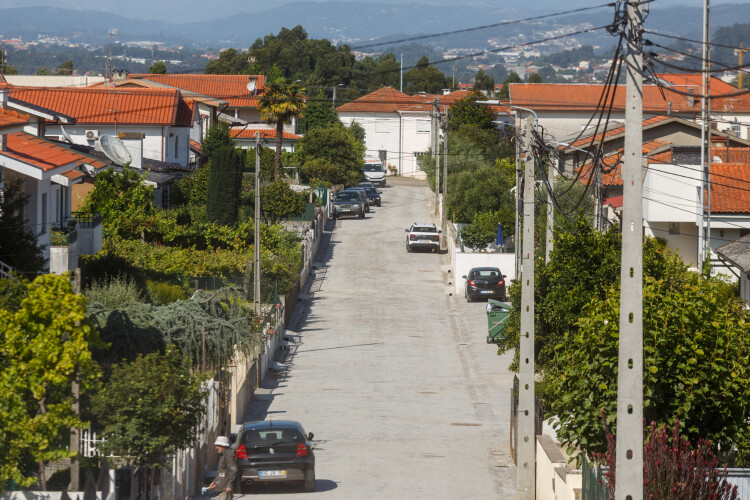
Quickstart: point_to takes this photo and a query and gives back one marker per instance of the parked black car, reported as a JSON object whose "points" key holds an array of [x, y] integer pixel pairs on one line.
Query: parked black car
{"points": [[348, 203], [364, 195], [485, 282], [274, 452], [373, 195]]}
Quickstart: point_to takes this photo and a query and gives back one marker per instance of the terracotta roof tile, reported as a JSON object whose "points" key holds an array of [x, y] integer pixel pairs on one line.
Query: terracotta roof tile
{"points": [[732, 193], [618, 131], [10, 118], [230, 88], [388, 100], [732, 155], [44, 154], [195, 146], [248, 133], [612, 164], [106, 104], [585, 97]]}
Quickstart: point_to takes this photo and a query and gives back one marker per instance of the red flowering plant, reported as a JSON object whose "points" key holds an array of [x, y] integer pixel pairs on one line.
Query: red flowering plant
{"points": [[672, 469]]}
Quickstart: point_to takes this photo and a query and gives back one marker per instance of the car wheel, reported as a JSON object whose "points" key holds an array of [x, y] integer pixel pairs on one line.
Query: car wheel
{"points": [[309, 480], [468, 298], [361, 215], [379, 205], [408, 248]]}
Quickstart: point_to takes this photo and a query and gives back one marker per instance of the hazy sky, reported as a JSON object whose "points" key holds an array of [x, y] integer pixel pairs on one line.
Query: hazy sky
{"points": [[192, 10]]}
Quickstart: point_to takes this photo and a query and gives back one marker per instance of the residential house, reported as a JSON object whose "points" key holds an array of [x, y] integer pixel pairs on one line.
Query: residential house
{"points": [[737, 253], [564, 110], [245, 138], [153, 124]]}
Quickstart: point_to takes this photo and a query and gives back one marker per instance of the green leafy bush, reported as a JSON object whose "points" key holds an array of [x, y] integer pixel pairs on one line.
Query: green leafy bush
{"points": [[164, 293], [279, 202], [114, 291], [482, 231], [224, 186]]}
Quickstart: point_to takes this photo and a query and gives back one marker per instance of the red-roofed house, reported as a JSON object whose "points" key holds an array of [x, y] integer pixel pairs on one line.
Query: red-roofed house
{"points": [[564, 109], [154, 123], [245, 138]]}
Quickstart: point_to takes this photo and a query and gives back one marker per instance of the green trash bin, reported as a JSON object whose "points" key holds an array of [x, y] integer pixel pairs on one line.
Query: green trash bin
{"points": [[497, 316]]}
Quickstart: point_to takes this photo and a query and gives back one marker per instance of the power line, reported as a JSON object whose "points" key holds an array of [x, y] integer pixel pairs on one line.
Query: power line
{"points": [[714, 44]]}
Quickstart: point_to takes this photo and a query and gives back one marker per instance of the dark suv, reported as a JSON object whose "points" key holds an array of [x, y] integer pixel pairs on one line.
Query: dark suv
{"points": [[348, 203], [276, 451]]}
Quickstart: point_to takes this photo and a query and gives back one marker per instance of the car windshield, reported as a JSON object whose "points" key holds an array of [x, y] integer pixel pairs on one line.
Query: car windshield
{"points": [[347, 196], [424, 229], [486, 273], [371, 191], [373, 168], [269, 437]]}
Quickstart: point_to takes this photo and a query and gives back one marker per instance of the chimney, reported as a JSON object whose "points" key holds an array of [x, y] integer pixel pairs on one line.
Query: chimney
{"points": [[690, 98]]}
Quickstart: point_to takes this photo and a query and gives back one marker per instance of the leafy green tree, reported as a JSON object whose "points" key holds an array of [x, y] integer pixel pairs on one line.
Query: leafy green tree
{"points": [[65, 69], [18, 246], [123, 199], [466, 111], [358, 131], [224, 186], [44, 71], [279, 104], [216, 138], [267, 163], [319, 113], [484, 82], [149, 408], [483, 229], [424, 78], [230, 62], [193, 188], [43, 345], [505, 89], [383, 71], [158, 68], [483, 189], [534, 78], [695, 341], [279, 202], [331, 155]]}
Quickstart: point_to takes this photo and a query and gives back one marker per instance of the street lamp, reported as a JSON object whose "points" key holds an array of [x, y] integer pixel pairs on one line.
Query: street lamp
{"points": [[335, 87]]}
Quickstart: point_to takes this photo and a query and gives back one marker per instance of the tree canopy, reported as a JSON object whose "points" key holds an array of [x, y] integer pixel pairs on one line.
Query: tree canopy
{"points": [[320, 113], [424, 78], [224, 186], [466, 111], [158, 68], [484, 82], [18, 246], [279, 202], [331, 155], [279, 104]]}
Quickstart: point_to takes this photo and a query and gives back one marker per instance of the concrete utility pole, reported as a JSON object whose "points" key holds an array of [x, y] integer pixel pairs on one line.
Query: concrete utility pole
{"points": [[550, 212], [526, 481], [435, 142], [256, 269], [445, 176], [630, 360], [706, 115]]}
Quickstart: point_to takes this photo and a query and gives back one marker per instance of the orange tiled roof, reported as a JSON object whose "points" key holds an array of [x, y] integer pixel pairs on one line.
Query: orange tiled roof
{"points": [[43, 154], [195, 146], [612, 164], [586, 141], [732, 155], [106, 105], [230, 88], [388, 100], [695, 81], [248, 133], [731, 194], [585, 97], [9, 118]]}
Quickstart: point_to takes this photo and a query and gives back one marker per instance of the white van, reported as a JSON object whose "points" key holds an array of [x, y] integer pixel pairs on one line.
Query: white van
{"points": [[375, 173]]}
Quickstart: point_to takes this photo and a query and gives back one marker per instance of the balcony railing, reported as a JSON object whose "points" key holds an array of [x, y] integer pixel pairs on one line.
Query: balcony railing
{"points": [[87, 219], [58, 238]]}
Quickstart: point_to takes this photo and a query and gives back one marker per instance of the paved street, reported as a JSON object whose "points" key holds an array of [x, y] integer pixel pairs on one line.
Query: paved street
{"points": [[394, 378]]}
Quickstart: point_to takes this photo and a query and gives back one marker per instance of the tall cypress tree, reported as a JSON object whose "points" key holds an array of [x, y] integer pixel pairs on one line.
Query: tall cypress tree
{"points": [[224, 186]]}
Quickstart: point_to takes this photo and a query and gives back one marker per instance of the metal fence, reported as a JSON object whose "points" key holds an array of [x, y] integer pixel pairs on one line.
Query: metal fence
{"points": [[594, 485]]}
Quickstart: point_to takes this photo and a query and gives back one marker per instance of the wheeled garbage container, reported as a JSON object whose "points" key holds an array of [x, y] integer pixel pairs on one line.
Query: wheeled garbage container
{"points": [[497, 316]]}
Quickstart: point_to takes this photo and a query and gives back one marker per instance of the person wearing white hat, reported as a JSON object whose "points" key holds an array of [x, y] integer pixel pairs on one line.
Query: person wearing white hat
{"points": [[227, 471]]}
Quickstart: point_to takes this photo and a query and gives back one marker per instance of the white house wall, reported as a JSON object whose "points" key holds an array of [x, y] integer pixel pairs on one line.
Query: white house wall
{"points": [[397, 135], [158, 144]]}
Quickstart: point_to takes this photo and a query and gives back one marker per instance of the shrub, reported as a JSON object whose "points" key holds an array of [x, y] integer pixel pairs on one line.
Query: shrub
{"points": [[164, 293], [280, 202], [224, 186], [114, 291]]}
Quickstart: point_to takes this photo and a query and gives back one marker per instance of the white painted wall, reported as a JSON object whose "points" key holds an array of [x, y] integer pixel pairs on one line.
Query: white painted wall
{"points": [[400, 135], [162, 143], [462, 262]]}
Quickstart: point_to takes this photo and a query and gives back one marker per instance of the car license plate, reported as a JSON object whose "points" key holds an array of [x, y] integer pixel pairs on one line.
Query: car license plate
{"points": [[486, 292], [346, 209], [424, 241], [272, 473]]}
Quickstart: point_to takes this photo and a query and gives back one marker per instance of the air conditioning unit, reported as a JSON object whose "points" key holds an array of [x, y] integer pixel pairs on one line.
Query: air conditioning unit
{"points": [[92, 135]]}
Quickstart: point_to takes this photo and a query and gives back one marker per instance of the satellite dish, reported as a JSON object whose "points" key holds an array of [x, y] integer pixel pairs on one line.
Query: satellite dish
{"points": [[115, 150], [252, 85], [65, 135]]}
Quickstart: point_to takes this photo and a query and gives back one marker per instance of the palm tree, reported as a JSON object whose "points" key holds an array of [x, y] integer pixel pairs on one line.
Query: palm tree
{"points": [[279, 104]]}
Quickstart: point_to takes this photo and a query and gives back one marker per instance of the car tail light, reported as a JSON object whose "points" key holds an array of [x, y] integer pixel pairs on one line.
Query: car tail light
{"points": [[471, 283], [241, 452], [412, 237], [501, 283], [436, 238], [301, 450]]}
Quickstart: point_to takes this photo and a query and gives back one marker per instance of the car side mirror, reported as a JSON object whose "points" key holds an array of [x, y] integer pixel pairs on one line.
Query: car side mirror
{"points": [[310, 436], [380, 192], [464, 276], [406, 230], [440, 230], [232, 438]]}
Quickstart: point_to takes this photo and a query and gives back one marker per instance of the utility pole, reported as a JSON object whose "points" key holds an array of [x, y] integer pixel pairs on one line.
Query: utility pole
{"points": [[629, 460], [435, 142], [401, 87], [706, 112], [526, 477], [256, 268], [445, 174], [75, 390], [550, 212]]}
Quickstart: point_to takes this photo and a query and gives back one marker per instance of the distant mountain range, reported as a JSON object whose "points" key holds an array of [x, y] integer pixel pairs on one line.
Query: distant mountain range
{"points": [[337, 21]]}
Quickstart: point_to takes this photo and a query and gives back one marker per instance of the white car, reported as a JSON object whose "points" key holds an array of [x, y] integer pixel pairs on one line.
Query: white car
{"points": [[375, 173], [423, 235]]}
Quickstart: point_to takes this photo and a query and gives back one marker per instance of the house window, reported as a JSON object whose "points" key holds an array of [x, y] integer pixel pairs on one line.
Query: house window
{"points": [[418, 154], [381, 126], [423, 126], [44, 213], [165, 196], [176, 145], [736, 129]]}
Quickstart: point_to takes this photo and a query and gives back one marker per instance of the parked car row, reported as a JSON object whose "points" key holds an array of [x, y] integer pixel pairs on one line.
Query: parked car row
{"points": [[356, 201]]}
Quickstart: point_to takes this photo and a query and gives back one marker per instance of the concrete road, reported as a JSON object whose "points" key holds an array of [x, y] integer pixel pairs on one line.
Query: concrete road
{"points": [[394, 377]]}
